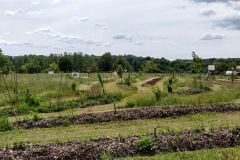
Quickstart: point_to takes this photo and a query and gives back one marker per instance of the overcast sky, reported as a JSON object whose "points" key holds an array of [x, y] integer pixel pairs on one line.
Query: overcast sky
{"points": [[156, 28]]}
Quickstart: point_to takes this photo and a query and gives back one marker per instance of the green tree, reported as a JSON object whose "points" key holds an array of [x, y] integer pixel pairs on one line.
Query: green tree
{"points": [[105, 62], [120, 72], [197, 63], [5, 64], [53, 67], [65, 64], [151, 67]]}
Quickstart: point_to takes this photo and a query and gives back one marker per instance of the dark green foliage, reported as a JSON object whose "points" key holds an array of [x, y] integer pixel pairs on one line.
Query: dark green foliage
{"points": [[158, 93], [5, 125], [127, 80], [105, 99], [32, 100], [65, 64], [74, 85], [169, 87], [129, 104], [105, 62], [36, 117], [120, 72], [145, 144], [21, 145], [66, 123], [101, 82]]}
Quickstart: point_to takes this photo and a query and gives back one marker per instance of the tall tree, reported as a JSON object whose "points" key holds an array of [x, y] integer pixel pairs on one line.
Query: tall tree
{"points": [[5, 64], [65, 64], [105, 62]]}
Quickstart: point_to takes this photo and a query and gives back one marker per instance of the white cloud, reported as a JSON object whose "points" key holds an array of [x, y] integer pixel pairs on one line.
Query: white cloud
{"points": [[56, 1], [102, 26], [139, 43], [212, 36], [41, 30], [108, 44], [79, 18], [58, 48], [13, 13], [15, 43], [35, 2], [33, 13]]}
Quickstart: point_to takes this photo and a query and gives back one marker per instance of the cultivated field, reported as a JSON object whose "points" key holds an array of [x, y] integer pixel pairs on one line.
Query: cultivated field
{"points": [[155, 116]]}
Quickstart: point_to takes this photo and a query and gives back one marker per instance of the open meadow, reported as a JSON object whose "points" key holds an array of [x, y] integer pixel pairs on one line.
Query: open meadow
{"points": [[142, 116]]}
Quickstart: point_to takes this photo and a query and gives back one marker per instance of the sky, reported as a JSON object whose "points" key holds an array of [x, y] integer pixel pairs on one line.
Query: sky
{"points": [[157, 28]]}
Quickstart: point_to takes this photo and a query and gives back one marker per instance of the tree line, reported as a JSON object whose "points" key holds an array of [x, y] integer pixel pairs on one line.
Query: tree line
{"points": [[79, 62]]}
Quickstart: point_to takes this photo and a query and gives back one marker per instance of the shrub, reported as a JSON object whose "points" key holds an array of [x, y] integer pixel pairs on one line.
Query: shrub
{"points": [[105, 156], [129, 104], [31, 100], [74, 85], [36, 117], [5, 125], [127, 80], [145, 144], [65, 122], [21, 145], [169, 87], [158, 93]]}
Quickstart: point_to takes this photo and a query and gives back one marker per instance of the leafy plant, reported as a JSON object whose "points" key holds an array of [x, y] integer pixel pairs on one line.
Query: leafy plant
{"points": [[105, 156], [158, 93], [127, 80], [5, 125], [21, 145], [74, 85], [145, 144], [32, 100]]}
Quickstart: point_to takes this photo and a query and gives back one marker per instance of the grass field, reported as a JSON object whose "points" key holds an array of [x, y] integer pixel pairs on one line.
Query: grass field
{"points": [[56, 90]]}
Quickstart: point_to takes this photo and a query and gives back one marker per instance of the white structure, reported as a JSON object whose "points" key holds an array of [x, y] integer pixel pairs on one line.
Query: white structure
{"points": [[75, 74], [229, 73], [211, 67], [51, 72], [238, 67]]}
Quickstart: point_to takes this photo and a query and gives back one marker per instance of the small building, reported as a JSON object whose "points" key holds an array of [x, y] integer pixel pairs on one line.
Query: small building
{"points": [[229, 73], [75, 74], [51, 72]]}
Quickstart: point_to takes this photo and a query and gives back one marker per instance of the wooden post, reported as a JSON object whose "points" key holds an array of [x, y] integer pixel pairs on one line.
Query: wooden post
{"points": [[115, 110], [155, 132]]}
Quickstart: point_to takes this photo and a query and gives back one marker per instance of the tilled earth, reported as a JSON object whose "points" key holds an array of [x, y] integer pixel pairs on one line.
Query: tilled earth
{"points": [[188, 140], [124, 115], [152, 82]]}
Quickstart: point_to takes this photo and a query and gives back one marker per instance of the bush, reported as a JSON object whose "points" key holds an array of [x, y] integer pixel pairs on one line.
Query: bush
{"points": [[145, 144], [127, 80], [31, 100], [5, 125], [129, 104], [158, 93], [21, 145]]}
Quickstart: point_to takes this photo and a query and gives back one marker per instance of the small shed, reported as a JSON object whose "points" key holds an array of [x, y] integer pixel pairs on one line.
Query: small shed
{"points": [[51, 72], [75, 74], [238, 67]]}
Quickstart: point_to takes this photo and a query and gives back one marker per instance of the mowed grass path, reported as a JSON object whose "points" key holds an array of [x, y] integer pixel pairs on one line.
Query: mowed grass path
{"points": [[121, 128]]}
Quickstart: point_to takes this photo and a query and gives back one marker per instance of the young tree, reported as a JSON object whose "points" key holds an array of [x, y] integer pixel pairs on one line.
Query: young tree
{"points": [[120, 72], [197, 64]]}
